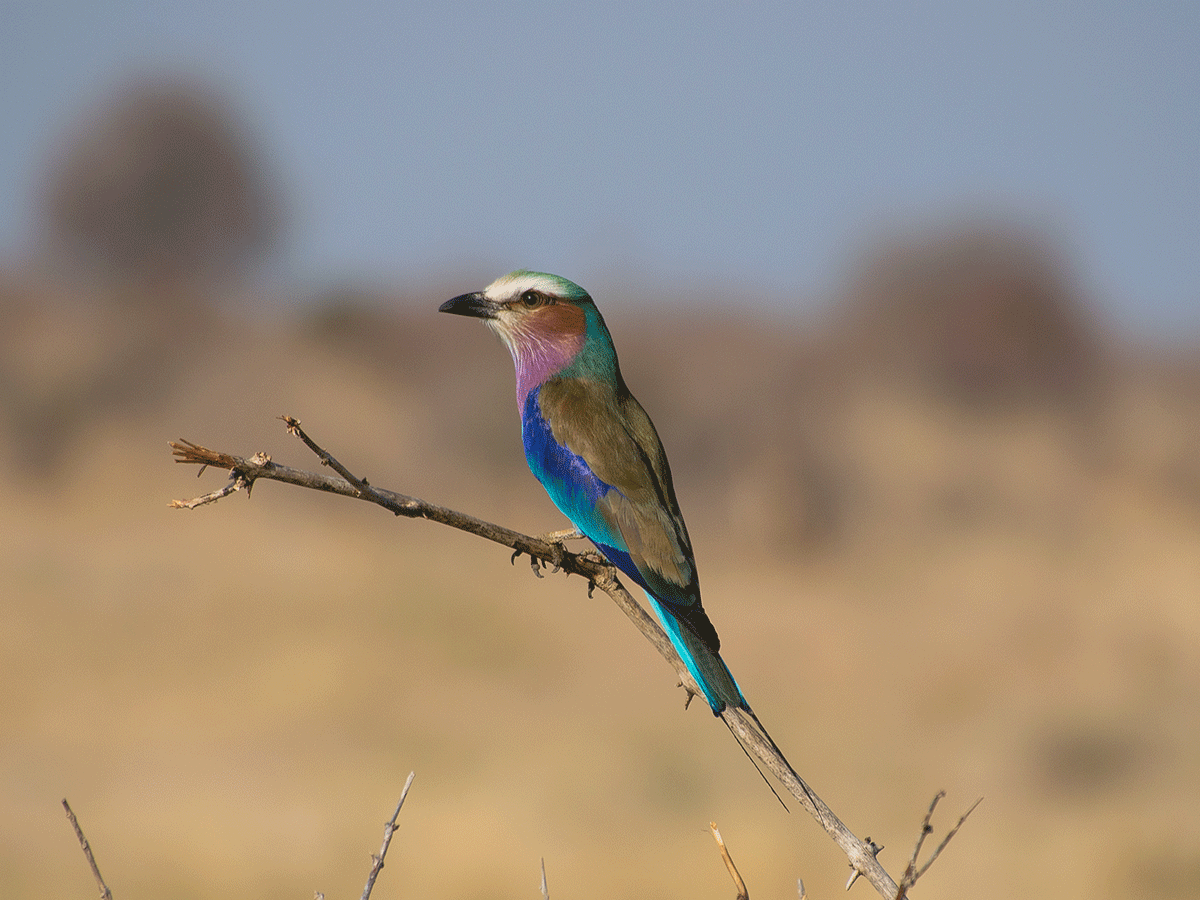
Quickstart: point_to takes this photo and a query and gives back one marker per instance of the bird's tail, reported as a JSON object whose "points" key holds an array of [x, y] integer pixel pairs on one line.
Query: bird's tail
{"points": [[747, 716], [717, 684], [711, 674]]}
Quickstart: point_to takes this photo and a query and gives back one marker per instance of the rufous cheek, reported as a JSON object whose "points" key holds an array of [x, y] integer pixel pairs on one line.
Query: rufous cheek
{"points": [[561, 319]]}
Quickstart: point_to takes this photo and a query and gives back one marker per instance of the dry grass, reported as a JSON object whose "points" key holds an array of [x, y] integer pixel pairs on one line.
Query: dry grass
{"points": [[1000, 604]]}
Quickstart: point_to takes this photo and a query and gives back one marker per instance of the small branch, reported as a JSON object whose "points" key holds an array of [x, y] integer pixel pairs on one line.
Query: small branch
{"points": [[389, 829], [599, 574], [911, 873], [739, 885], [105, 893], [293, 427], [545, 886]]}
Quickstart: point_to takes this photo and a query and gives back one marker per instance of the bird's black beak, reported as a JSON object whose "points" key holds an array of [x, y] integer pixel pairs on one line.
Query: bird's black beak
{"points": [[476, 305]]}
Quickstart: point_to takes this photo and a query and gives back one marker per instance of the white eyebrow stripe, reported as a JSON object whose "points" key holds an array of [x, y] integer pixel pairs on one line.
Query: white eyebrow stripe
{"points": [[516, 283]]}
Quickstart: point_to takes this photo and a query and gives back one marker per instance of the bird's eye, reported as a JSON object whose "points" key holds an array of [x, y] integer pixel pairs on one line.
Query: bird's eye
{"points": [[532, 299]]}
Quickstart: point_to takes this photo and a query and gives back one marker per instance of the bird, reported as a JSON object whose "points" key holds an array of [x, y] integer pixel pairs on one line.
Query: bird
{"points": [[597, 454]]}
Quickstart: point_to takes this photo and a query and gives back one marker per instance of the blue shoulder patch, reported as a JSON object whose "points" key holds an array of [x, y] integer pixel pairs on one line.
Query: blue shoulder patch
{"points": [[572, 484]]}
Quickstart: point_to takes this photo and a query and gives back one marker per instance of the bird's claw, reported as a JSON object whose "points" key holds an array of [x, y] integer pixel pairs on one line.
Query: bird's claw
{"points": [[534, 562]]}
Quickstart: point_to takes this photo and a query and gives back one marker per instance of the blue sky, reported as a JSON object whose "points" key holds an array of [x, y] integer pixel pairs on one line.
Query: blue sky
{"points": [[735, 145]]}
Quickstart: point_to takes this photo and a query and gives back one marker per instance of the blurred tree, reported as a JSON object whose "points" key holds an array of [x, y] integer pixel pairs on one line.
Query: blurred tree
{"points": [[157, 199], [161, 186], [987, 315]]}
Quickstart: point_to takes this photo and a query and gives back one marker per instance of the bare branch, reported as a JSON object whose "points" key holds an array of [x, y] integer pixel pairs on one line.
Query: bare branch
{"points": [[389, 828], [105, 893], [244, 471], [911, 873], [549, 549], [545, 886], [742, 893]]}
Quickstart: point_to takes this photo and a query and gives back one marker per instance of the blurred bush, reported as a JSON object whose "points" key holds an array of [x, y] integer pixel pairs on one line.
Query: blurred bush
{"points": [[988, 315]]}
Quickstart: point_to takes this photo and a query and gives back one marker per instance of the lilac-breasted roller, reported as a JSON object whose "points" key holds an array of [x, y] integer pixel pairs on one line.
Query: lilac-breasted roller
{"points": [[595, 451]]}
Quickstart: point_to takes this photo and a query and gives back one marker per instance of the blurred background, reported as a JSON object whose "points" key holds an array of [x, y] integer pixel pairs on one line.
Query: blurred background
{"points": [[911, 294]]}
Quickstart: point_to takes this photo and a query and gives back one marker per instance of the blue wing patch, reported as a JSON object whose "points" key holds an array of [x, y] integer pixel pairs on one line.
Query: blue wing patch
{"points": [[575, 489]]}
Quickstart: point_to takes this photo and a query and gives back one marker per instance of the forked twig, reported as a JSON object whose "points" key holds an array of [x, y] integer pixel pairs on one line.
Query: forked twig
{"points": [[327, 459], [911, 873]]}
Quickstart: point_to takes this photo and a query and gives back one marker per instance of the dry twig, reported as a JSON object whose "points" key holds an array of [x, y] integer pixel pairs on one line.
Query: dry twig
{"points": [[911, 872], [389, 828], [244, 471], [105, 893], [742, 893]]}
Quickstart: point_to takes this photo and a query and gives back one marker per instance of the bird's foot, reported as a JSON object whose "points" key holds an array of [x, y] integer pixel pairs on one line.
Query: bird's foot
{"points": [[606, 579], [558, 540]]}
